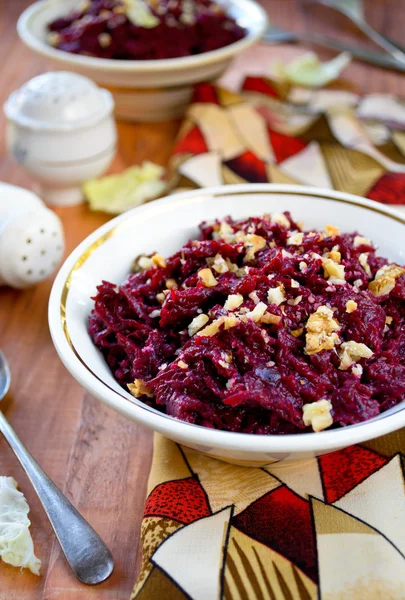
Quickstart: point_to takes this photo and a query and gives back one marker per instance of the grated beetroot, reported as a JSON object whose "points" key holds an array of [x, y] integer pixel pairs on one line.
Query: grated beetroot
{"points": [[256, 376], [118, 29]]}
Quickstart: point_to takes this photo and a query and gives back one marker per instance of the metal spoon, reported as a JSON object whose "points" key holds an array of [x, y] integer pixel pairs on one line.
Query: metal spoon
{"points": [[88, 556]]}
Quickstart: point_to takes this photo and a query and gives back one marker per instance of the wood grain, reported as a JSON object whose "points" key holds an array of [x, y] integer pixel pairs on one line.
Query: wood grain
{"points": [[98, 458]]}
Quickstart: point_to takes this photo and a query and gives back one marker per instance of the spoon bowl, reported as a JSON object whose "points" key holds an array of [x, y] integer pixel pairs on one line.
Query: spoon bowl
{"points": [[5, 376]]}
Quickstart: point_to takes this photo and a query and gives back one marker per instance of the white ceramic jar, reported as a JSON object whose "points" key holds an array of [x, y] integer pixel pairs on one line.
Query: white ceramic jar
{"points": [[61, 130], [31, 238]]}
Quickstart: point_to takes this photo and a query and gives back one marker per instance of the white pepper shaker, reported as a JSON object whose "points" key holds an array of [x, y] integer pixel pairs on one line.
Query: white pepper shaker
{"points": [[60, 129], [31, 238]]}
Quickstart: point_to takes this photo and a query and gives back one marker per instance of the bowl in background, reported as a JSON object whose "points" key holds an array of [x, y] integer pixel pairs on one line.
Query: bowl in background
{"points": [[165, 225], [143, 90]]}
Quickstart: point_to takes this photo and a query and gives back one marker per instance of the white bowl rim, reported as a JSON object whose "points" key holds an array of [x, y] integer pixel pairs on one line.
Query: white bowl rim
{"points": [[107, 64], [325, 441]]}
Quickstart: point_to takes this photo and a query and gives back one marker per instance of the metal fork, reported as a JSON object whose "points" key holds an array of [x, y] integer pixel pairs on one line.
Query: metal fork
{"points": [[353, 10]]}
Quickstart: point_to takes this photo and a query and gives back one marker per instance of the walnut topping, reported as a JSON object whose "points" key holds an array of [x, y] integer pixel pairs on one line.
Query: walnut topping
{"points": [[270, 319], [183, 365], [297, 332], [207, 277], [104, 39], [332, 231], [333, 269], [197, 323], [276, 295], [143, 262], [253, 244], [303, 266], [239, 271], [158, 261], [361, 241], [388, 320], [295, 239], [253, 296], [213, 328], [317, 414], [257, 313], [294, 283], [171, 284], [294, 301], [335, 256], [280, 219], [233, 301], [351, 306], [223, 232], [357, 370], [384, 280], [321, 327], [351, 352], [160, 297], [154, 314], [219, 264], [140, 388], [363, 260]]}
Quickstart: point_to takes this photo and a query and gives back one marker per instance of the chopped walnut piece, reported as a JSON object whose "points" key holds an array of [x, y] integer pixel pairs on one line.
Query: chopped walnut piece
{"points": [[160, 297], [384, 280], [388, 320], [207, 277], [333, 269], [363, 260], [303, 266], [294, 301], [233, 302], [257, 313], [142, 263], [253, 244], [219, 264], [351, 352], [351, 306], [318, 415], [270, 319], [154, 314], [294, 283], [158, 261], [182, 364], [321, 327], [276, 295], [140, 388], [230, 322], [297, 332], [361, 241], [223, 231], [295, 239], [171, 284], [280, 219], [253, 296], [335, 256], [332, 231], [197, 323]]}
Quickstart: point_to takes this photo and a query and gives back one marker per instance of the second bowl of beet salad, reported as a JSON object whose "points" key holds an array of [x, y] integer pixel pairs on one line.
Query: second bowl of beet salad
{"points": [[144, 29], [259, 327]]}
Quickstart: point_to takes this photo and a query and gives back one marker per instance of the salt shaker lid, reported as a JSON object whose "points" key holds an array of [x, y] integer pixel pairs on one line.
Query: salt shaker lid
{"points": [[58, 101]]}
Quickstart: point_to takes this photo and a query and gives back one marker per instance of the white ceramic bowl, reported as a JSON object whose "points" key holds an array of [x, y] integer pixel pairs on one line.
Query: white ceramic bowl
{"points": [[144, 90], [164, 226]]}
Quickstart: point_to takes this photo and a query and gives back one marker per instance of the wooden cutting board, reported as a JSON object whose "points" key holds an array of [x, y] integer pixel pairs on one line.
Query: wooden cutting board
{"points": [[98, 458]]}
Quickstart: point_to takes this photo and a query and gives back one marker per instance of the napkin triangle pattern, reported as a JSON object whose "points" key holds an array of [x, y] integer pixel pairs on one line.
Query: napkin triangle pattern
{"points": [[273, 132], [331, 527]]}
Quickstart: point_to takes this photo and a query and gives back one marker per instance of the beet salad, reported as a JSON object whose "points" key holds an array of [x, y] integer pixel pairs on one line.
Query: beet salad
{"points": [[259, 327], [144, 29]]}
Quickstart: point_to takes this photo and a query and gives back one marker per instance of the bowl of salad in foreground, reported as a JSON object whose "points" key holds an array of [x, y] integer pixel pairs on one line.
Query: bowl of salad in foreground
{"points": [[255, 323], [149, 54]]}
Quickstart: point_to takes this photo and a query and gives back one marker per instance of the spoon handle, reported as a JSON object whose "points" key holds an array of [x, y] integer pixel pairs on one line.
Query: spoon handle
{"points": [[88, 556]]}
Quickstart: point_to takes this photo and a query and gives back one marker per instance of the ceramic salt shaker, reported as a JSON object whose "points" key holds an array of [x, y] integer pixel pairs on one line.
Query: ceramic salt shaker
{"points": [[60, 128], [31, 238]]}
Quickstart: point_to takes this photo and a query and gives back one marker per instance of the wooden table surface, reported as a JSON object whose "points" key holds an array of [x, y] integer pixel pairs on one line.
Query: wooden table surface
{"points": [[98, 458]]}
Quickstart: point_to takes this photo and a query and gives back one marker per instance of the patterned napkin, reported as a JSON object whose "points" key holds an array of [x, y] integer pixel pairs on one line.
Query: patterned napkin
{"points": [[330, 528], [283, 134]]}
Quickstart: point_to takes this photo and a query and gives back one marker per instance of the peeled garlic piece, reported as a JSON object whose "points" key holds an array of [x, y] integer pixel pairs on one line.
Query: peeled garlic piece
{"points": [[16, 545], [308, 71]]}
